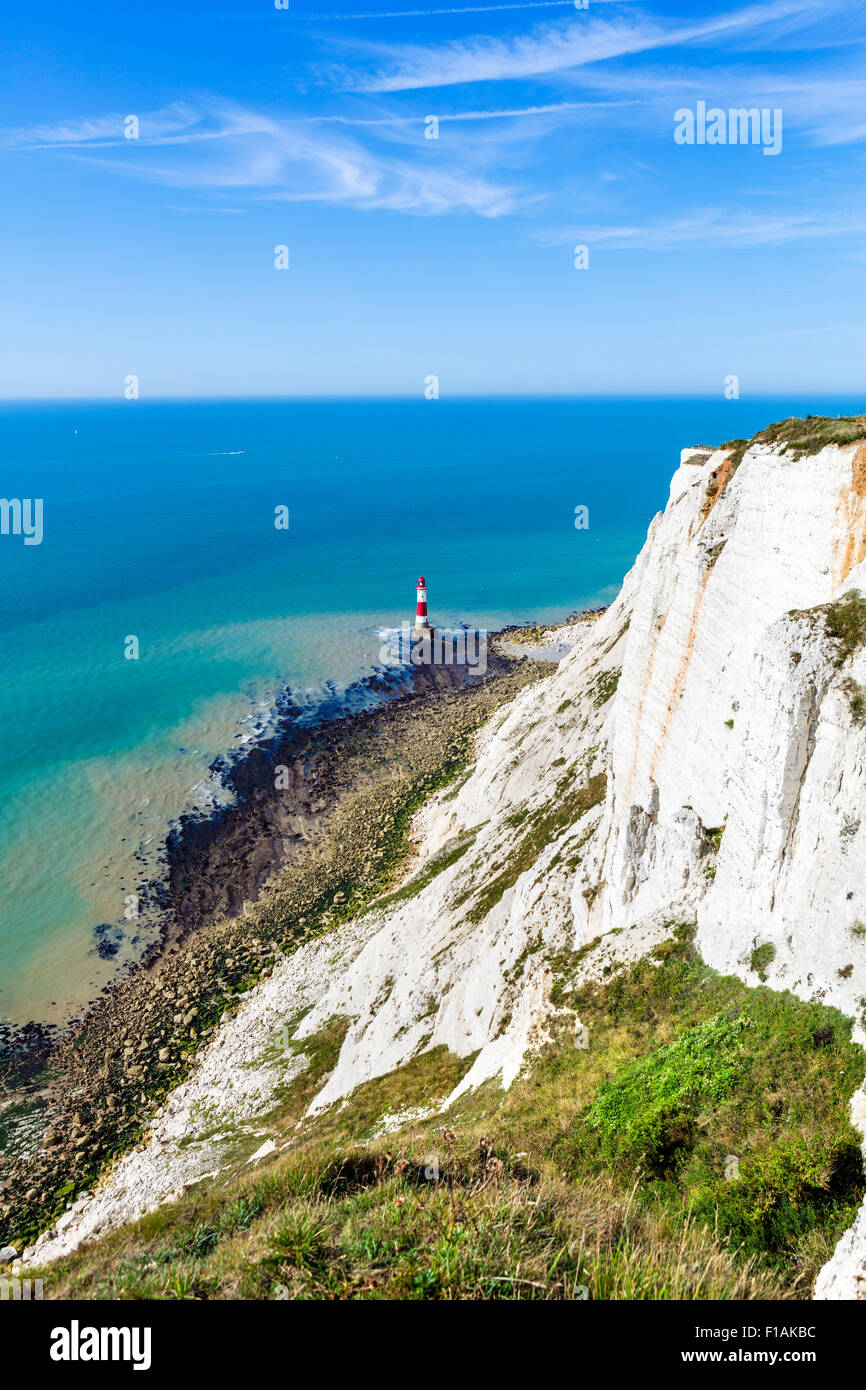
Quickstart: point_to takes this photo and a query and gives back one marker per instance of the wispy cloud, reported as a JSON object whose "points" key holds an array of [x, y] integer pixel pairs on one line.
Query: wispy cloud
{"points": [[553, 109], [827, 102], [859, 328], [710, 227], [222, 146], [551, 48], [456, 9], [368, 152], [176, 122]]}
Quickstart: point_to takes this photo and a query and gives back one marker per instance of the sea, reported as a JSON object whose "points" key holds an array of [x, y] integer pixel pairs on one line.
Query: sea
{"points": [[198, 558]]}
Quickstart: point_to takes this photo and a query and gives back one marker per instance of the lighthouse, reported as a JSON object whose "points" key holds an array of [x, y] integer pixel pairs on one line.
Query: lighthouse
{"points": [[422, 626]]}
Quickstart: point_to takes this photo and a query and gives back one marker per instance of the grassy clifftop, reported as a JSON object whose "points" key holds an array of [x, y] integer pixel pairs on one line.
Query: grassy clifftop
{"points": [[799, 437], [699, 1147]]}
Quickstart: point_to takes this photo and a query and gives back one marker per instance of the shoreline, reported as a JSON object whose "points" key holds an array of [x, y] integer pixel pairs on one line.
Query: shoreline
{"points": [[218, 861], [291, 727], [294, 730], [232, 915]]}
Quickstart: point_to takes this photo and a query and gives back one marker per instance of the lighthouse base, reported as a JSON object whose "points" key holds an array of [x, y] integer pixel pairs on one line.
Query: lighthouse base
{"points": [[423, 646]]}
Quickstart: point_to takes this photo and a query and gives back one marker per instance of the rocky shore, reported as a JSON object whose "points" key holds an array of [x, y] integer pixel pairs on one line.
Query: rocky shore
{"points": [[282, 787], [316, 830]]}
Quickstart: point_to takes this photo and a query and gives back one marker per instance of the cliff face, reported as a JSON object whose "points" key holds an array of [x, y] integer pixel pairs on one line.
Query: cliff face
{"points": [[698, 754], [734, 714]]}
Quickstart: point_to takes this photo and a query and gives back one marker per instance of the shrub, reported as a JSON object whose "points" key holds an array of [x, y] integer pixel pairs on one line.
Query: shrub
{"points": [[761, 957], [781, 1192], [648, 1111], [856, 700], [845, 623]]}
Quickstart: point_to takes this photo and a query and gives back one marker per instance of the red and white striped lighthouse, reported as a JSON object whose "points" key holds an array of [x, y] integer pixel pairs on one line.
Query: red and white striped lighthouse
{"points": [[421, 623]]}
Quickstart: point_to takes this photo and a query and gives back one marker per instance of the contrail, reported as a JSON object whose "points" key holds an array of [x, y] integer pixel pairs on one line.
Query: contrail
{"points": [[455, 9]]}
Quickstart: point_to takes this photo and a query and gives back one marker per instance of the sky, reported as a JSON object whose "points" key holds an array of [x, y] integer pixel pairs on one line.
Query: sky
{"points": [[153, 159]]}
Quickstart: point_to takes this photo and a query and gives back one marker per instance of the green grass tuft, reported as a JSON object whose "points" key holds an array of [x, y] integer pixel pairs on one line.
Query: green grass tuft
{"points": [[761, 957]]}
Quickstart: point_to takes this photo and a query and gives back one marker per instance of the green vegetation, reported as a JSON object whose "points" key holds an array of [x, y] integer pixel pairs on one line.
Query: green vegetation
{"points": [[856, 700], [801, 437], [376, 1227], [723, 1072], [714, 835], [646, 1111], [444, 860], [605, 687], [543, 825], [737, 449], [845, 623], [618, 638], [699, 1148], [761, 957]]}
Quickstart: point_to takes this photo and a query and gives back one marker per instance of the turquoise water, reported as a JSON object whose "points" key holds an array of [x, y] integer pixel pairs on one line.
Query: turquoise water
{"points": [[159, 524]]}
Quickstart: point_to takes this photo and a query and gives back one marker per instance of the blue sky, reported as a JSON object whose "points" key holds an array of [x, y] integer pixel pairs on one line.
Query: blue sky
{"points": [[261, 127]]}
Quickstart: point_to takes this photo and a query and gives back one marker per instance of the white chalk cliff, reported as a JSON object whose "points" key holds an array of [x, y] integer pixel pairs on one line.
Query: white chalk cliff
{"points": [[735, 795]]}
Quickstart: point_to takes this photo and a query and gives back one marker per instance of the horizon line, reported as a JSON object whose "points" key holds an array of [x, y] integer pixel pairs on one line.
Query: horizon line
{"points": [[769, 393]]}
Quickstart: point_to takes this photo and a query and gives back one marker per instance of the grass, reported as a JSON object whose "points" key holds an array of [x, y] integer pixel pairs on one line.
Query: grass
{"points": [[378, 1228], [856, 700], [542, 826], [645, 1111], [605, 687], [801, 437], [761, 957], [600, 1174], [794, 437], [845, 623], [724, 1071], [437, 865], [714, 834]]}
